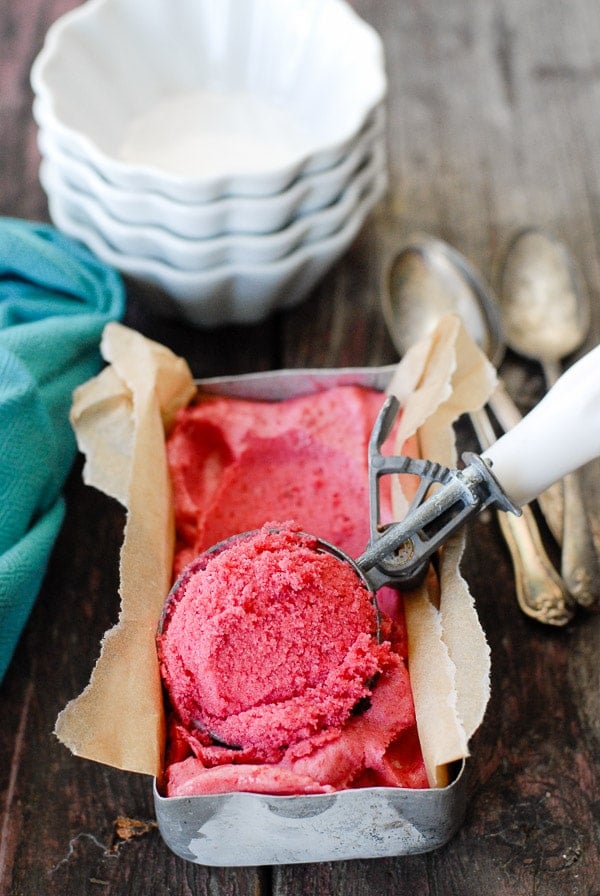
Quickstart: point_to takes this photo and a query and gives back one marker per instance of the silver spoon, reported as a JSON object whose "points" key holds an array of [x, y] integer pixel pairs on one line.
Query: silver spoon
{"points": [[427, 279], [546, 317]]}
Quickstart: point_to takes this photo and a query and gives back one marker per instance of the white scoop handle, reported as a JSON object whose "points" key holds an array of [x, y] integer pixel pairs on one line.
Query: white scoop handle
{"points": [[559, 435]]}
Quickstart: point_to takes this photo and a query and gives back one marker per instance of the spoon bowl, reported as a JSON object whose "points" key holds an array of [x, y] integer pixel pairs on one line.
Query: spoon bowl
{"points": [[427, 279], [545, 309]]}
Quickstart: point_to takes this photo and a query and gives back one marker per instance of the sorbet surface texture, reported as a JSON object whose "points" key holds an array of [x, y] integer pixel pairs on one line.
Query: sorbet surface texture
{"points": [[276, 678]]}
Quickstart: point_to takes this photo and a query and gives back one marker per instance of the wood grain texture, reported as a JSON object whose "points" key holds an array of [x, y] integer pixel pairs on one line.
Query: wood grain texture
{"points": [[493, 123]]}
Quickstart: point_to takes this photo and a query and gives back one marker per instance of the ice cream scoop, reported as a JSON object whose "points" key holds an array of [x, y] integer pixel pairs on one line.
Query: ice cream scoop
{"points": [[559, 435]]}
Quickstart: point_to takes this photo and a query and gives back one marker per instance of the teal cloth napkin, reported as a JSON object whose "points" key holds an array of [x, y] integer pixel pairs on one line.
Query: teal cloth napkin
{"points": [[55, 299]]}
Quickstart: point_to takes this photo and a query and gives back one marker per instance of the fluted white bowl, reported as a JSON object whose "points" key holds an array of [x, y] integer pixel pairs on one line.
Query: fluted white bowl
{"points": [[197, 99]]}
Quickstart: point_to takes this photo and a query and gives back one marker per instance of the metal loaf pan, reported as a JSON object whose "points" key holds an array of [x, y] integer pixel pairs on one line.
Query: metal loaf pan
{"points": [[247, 829]]}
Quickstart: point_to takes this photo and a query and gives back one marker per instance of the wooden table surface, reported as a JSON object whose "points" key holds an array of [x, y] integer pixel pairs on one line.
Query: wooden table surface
{"points": [[494, 123]]}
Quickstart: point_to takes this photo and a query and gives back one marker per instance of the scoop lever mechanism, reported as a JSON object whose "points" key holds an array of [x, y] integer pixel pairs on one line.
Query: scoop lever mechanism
{"points": [[399, 552], [559, 435]]}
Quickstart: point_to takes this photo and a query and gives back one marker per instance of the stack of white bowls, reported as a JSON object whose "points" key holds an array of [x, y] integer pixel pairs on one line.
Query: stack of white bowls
{"points": [[224, 151]]}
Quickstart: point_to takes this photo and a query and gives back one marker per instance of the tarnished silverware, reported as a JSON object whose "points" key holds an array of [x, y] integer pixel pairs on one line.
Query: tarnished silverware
{"points": [[546, 317]]}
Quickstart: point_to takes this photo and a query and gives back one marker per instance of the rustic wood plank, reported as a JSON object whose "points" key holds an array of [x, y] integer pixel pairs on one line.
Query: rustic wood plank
{"points": [[493, 124]]}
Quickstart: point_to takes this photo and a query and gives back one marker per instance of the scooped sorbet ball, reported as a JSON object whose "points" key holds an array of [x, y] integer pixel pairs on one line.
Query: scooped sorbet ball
{"points": [[268, 640]]}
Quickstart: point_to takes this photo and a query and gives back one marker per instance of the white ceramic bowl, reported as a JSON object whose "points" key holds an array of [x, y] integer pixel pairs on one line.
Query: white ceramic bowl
{"points": [[229, 214], [233, 249], [198, 99], [240, 293]]}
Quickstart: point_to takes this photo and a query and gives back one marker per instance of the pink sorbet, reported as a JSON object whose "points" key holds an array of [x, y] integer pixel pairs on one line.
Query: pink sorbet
{"points": [[235, 464], [276, 679], [269, 642]]}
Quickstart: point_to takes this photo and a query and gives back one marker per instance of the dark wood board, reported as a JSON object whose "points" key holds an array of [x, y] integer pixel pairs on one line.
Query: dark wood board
{"points": [[493, 123]]}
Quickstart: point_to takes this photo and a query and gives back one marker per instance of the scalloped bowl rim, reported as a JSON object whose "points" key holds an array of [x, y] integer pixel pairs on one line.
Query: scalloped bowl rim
{"points": [[136, 265], [200, 254]]}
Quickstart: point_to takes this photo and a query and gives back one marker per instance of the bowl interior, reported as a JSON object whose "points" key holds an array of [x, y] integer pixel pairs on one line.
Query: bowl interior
{"points": [[200, 88]]}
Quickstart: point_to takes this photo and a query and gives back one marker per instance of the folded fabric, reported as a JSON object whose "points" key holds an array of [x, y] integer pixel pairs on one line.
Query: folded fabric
{"points": [[55, 299]]}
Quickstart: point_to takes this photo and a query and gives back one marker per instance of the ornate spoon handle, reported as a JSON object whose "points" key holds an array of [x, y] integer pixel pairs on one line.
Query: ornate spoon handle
{"points": [[579, 562], [541, 593]]}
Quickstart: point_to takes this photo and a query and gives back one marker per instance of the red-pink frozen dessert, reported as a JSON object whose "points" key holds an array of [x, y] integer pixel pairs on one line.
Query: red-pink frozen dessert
{"points": [[280, 675]]}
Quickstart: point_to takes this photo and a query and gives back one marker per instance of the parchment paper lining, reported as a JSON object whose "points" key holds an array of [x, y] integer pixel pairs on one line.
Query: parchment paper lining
{"points": [[121, 418]]}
